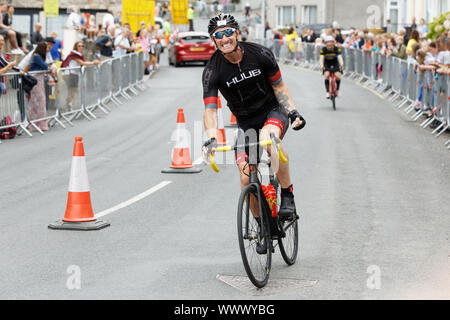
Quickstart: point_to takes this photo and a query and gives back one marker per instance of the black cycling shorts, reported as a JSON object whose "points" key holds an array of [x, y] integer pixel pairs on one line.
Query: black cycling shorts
{"points": [[331, 68], [248, 132]]}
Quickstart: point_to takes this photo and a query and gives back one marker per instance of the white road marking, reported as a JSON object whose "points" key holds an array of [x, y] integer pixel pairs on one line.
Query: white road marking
{"points": [[134, 199]]}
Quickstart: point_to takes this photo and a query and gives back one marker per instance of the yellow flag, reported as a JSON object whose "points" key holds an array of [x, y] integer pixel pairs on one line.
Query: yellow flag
{"points": [[51, 8], [179, 11], [136, 11]]}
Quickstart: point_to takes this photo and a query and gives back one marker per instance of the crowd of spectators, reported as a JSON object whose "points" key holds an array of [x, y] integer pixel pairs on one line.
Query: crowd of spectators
{"points": [[430, 58], [106, 39], [112, 39]]}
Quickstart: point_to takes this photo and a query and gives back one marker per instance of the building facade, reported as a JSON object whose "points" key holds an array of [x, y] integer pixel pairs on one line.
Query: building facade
{"points": [[401, 12], [347, 13], [28, 12]]}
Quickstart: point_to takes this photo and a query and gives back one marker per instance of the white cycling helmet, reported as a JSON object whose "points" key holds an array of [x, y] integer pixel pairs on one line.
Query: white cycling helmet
{"points": [[329, 39]]}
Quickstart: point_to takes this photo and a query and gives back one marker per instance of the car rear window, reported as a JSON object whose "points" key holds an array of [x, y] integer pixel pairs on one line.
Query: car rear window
{"points": [[195, 39]]}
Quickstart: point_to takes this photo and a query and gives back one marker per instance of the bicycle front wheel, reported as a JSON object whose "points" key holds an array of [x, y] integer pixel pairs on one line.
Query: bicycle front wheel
{"points": [[289, 244], [252, 234]]}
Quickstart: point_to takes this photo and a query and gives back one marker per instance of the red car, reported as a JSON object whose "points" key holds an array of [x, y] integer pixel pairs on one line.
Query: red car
{"points": [[191, 47]]}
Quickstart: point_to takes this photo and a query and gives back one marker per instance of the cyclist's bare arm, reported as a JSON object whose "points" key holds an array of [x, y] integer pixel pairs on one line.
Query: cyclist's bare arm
{"points": [[285, 100], [341, 61], [210, 122], [322, 58]]}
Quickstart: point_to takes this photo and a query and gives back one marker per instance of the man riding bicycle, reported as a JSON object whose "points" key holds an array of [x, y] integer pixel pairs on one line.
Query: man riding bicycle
{"points": [[331, 61], [248, 76]]}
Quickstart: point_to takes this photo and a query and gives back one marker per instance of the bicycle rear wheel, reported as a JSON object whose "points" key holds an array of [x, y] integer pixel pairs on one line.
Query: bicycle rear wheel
{"points": [[250, 233]]}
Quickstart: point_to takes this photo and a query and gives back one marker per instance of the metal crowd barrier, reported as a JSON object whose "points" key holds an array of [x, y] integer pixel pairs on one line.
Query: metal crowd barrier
{"points": [[74, 92], [396, 79]]}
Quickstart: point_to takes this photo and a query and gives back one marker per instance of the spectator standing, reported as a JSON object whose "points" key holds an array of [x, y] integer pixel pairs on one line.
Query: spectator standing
{"points": [[144, 42], [399, 50], [414, 38], [74, 19], [138, 33], [105, 44], [36, 36], [422, 28], [164, 12], [404, 35], [75, 59], [122, 44], [108, 20], [338, 37], [37, 104], [118, 18], [247, 12], [167, 29], [389, 27], [310, 37], [413, 24], [190, 16], [56, 47]]}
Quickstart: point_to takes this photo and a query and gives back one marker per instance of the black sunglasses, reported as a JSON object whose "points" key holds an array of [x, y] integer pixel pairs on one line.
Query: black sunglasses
{"points": [[226, 32]]}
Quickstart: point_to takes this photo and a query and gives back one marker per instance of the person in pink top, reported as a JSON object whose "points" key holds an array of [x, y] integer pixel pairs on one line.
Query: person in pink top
{"points": [[144, 41]]}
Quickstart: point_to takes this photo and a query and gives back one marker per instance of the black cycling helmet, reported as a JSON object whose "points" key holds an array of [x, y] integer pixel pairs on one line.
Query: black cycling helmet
{"points": [[222, 20]]}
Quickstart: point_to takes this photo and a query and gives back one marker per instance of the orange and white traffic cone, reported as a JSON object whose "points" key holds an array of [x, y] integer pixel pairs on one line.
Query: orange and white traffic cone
{"points": [[233, 122], [79, 214], [221, 139], [181, 153]]}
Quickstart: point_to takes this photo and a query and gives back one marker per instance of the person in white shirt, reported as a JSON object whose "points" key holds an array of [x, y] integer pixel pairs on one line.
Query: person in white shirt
{"points": [[122, 44], [74, 19], [108, 20], [422, 28]]}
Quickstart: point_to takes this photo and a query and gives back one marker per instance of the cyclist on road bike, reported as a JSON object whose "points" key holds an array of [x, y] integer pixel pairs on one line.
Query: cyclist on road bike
{"points": [[331, 61], [248, 76]]}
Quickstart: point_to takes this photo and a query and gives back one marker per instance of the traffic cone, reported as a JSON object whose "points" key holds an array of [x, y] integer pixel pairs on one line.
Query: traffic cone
{"points": [[79, 214], [221, 139], [233, 122], [181, 154]]}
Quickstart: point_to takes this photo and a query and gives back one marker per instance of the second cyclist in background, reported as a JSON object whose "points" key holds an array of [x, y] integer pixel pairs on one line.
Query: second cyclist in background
{"points": [[331, 61]]}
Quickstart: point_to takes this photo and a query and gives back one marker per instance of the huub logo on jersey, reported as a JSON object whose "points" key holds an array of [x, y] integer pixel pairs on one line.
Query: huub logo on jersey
{"points": [[244, 76]]}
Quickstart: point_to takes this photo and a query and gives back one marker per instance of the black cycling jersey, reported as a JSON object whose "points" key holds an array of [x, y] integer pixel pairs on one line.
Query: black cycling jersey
{"points": [[246, 86], [330, 56]]}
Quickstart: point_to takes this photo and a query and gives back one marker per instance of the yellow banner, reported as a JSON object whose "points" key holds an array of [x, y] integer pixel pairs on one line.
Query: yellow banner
{"points": [[179, 11], [51, 8], [136, 11]]}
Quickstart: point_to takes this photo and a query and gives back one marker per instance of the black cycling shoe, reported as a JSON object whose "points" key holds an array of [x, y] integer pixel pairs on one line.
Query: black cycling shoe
{"points": [[287, 207], [261, 247]]}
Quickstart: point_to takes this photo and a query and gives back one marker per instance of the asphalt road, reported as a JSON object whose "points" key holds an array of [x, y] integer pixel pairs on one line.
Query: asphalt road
{"points": [[372, 189]]}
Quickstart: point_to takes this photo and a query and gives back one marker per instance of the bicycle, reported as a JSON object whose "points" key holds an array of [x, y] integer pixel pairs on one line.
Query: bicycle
{"points": [[252, 233], [333, 89]]}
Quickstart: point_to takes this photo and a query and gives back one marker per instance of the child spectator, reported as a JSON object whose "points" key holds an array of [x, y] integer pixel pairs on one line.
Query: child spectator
{"points": [[56, 48]]}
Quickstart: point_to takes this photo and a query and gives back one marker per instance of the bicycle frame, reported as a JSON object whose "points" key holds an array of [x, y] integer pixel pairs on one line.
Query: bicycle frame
{"points": [[332, 85]]}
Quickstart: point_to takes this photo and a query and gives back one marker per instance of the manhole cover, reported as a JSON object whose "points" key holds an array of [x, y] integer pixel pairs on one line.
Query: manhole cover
{"points": [[274, 286]]}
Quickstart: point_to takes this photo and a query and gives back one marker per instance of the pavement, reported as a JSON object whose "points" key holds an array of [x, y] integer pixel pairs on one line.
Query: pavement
{"points": [[371, 187]]}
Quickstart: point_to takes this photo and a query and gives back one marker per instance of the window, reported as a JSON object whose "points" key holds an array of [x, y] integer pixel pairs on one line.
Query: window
{"points": [[195, 39], [286, 15], [22, 23], [309, 14]]}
